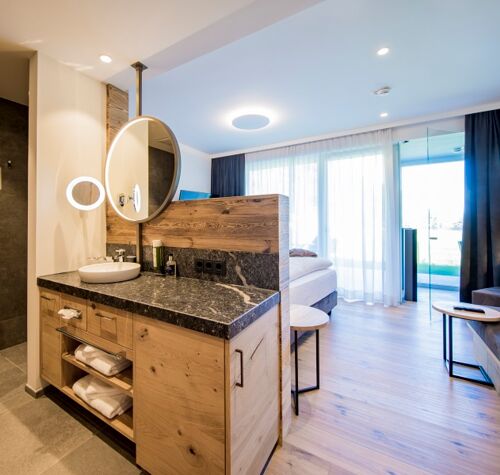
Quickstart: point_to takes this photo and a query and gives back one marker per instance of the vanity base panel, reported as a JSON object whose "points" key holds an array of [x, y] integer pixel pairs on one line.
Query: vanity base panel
{"points": [[179, 399], [253, 395]]}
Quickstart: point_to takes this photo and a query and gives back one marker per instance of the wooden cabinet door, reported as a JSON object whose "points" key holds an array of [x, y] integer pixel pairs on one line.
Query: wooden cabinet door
{"points": [[179, 419], [253, 412]]}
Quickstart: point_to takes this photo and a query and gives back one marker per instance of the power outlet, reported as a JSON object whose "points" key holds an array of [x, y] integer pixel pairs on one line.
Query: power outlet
{"points": [[208, 266], [198, 265], [219, 268]]}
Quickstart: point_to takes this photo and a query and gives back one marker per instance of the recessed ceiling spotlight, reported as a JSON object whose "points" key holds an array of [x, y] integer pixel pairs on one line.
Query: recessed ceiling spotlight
{"points": [[384, 114], [383, 91], [251, 118], [383, 51], [105, 58]]}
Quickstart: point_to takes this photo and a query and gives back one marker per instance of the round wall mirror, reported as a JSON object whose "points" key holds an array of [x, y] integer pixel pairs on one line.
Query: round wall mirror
{"points": [[142, 169], [85, 193]]}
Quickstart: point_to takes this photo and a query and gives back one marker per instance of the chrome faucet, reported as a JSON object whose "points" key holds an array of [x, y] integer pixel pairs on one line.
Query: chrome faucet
{"points": [[120, 255]]}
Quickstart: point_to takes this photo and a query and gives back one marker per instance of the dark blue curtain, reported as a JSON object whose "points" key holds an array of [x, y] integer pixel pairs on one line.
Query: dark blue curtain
{"points": [[228, 176], [481, 229]]}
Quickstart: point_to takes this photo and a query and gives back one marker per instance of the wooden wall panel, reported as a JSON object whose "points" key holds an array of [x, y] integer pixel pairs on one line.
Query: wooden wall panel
{"points": [[232, 224], [116, 117]]}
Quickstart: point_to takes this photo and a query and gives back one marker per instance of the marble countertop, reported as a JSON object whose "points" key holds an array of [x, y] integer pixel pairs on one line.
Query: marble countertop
{"points": [[221, 310]]}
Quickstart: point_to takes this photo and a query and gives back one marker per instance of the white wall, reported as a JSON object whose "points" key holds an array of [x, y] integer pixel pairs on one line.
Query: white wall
{"points": [[195, 170], [67, 139]]}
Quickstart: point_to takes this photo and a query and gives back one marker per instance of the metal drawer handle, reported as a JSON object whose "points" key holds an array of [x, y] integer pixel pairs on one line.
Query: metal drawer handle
{"points": [[65, 331], [100, 315], [240, 384], [46, 298]]}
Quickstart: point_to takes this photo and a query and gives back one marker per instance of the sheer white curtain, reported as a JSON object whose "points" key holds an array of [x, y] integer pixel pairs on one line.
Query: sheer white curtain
{"points": [[344, 204]]}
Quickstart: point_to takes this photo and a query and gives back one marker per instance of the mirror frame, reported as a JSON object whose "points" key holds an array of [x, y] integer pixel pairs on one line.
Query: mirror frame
{"points": [[85, 179], [176, 176]]}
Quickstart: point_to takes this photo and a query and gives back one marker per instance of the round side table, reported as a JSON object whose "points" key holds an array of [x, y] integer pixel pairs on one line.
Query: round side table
{"points": [[303, 318], [449, 312]]}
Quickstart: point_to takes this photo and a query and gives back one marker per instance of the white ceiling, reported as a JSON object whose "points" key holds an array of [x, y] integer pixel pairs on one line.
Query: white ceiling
{"points": [[310, 62], [162, 33], [317, 69]]}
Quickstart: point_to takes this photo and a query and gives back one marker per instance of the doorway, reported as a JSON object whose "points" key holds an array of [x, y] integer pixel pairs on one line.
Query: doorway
{"points": [[432, 201]]}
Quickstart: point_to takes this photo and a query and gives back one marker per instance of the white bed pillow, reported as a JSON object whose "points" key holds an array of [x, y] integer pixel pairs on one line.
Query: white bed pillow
{"points": [[301, 266]]}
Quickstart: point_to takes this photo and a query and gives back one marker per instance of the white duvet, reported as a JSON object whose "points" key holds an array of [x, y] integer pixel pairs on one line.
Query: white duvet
{"points": [[301, 266]]}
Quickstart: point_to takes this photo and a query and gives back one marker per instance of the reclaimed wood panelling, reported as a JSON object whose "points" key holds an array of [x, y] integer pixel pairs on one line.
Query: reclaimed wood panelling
{"points": [[116, 117]]}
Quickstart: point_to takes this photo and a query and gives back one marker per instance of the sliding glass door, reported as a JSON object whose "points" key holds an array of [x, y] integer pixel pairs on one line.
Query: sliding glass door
{"points": [[432, 192]]}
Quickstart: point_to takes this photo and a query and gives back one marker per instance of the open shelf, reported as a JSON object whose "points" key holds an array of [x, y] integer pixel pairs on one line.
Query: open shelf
{"points": [[123, 424], [122, 381]]}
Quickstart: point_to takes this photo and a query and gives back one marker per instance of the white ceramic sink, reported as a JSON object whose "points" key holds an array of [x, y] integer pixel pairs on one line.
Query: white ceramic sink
{"points": [[108, 272]]}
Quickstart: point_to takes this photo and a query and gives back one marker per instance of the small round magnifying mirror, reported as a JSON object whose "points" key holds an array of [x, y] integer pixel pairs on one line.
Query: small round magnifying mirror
{"points": [[85, 193]]}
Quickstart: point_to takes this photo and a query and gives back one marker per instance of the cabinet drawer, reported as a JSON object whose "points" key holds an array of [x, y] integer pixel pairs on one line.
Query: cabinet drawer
{"points": [[111, 324], [78, 304], [49, 306]]}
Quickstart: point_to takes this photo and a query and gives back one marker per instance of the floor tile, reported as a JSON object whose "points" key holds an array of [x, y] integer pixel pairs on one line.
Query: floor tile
{"points": [[16, 354], [93, 457], [36, 436]]}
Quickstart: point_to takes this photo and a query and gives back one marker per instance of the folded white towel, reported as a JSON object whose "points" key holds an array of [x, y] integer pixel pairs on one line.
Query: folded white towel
{"points": [[101, 361], [102, 397], [68, 313]]}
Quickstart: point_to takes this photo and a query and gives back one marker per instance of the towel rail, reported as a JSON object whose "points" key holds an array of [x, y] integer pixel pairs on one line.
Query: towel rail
{"points": [[67, 333]]}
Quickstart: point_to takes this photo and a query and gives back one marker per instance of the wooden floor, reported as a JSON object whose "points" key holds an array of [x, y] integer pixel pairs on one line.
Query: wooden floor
{"points": [[386, 404]]}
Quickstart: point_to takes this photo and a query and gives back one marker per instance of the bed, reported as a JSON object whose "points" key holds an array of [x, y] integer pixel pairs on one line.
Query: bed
{"points": [[313, 282]]}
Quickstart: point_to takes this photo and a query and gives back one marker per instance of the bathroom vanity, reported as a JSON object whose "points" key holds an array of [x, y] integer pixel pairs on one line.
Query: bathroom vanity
{"points": [[205, 374]]}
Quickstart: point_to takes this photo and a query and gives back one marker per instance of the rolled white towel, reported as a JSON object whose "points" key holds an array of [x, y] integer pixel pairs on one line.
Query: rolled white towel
{"points": [[101, 361], [102, 397], [68, 313]]}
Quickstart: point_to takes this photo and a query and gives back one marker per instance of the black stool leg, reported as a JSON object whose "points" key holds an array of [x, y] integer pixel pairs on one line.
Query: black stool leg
{"points": [[296, 394], [317, 359]]}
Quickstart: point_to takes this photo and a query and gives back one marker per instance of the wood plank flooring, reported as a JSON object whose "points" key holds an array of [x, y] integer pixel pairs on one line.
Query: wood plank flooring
{"points": [[386, 404]]}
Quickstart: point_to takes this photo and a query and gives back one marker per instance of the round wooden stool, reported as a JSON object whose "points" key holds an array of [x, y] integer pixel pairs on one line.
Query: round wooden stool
{"points": [[303, 318]]}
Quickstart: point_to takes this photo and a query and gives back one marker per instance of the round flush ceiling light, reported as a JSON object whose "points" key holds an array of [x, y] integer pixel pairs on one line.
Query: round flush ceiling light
{"points": [[384, 114], [383, 51], [251, 122], [383, 91], [251, 118], [105, 58]]}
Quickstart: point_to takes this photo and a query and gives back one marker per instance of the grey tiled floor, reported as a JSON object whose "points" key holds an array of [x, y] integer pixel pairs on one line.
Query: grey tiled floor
{"points": [[38, 437]]}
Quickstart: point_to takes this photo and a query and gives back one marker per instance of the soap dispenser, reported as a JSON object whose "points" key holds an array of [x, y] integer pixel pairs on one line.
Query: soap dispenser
{"points": [[171, 266]]}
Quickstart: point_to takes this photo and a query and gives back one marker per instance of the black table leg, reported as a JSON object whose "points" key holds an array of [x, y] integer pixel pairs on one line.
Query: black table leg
{"points": [[450, 349], [444, 337], [486, 381], [296, 373]]}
